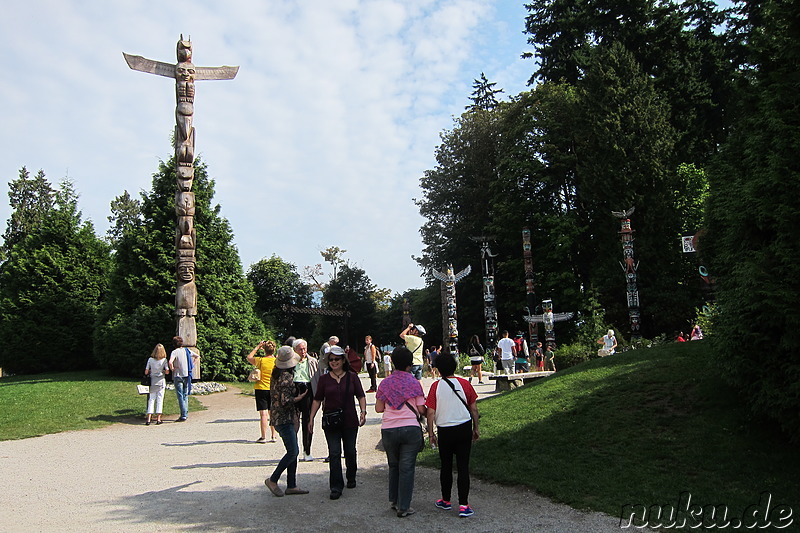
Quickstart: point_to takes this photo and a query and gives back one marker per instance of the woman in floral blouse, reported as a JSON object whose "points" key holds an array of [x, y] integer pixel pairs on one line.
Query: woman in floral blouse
{"points": [[284, 416]]}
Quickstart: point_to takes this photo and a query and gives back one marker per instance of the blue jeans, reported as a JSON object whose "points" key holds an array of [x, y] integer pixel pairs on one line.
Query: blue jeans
{"points": [[182, 392], [402, 446], [337, 440], [417, 371], [288, 462]]}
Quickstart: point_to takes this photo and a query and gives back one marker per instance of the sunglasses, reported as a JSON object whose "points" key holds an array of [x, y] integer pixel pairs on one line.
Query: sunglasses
{"points": [[332, 359]]}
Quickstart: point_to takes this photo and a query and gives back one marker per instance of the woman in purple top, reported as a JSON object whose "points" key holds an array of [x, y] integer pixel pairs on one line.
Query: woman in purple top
{"points": [[335, 392]]}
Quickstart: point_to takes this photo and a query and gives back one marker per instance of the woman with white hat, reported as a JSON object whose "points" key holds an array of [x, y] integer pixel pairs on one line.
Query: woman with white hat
{"points": [[284, 416]]}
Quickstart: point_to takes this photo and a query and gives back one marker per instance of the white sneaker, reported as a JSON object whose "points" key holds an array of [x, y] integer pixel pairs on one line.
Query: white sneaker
{"points": [[308, 457]]}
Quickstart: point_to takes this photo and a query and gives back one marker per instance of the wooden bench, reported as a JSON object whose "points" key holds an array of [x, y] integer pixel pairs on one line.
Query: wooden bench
{"points": [[507, 382]]}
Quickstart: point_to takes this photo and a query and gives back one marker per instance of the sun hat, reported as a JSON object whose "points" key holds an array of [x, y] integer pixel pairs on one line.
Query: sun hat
{"points": [[286, 358], [611, 333], [336, 350], [420, 328]]}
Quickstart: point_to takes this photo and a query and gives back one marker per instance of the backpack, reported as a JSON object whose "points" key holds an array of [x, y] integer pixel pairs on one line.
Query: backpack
{"points": [[518, 342]]}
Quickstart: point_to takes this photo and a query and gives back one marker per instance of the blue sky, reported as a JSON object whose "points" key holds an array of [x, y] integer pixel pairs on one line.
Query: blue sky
{"points": [[319, 141]]}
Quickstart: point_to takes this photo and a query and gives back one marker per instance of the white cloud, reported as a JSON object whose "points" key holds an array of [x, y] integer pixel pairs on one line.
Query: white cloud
{"points": [[320, 140]]}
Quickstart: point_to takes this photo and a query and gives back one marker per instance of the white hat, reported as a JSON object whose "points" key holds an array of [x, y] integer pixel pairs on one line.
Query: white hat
{"points": [[420, 328], [611, 333]]}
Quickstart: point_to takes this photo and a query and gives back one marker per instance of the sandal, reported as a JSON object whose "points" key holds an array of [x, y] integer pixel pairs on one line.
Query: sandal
{"points": [[261, 440]]}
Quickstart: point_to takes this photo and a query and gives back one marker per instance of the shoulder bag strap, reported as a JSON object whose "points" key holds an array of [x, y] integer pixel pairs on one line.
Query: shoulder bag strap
{"points": [[457, 396]]}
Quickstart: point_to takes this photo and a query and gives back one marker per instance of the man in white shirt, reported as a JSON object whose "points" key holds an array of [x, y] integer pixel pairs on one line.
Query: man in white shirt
{"points": [[181, 363], [508, 351]]}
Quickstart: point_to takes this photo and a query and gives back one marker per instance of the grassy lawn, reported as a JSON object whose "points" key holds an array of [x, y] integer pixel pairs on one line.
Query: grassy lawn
{"points": [[639, 427], [50, 403]]}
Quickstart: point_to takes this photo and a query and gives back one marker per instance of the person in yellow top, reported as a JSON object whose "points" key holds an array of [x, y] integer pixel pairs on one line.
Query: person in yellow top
{"points": [[264, 363], [412, 336]]}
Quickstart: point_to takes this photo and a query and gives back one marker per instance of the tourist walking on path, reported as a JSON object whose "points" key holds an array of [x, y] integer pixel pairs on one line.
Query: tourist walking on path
{"points": [[453, 411], [412, 336], [507, 350], [400, 398], [265, 364], [371, 355], [181, 364], [476, 352], [284, 416], [157, 367], [306, 378], [335, 393]]}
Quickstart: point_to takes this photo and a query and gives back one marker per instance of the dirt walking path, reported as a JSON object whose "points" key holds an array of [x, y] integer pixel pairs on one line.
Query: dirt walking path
{"points": [[207, 474]]}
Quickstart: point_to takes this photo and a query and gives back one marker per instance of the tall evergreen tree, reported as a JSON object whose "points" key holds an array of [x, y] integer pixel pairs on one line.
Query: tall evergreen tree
{"points": [[752, 222], [52, 283], [484, 95], [139, 311]]}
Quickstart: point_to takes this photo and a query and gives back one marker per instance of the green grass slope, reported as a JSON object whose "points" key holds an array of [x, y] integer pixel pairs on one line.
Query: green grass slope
{"points": [[640, 428]]}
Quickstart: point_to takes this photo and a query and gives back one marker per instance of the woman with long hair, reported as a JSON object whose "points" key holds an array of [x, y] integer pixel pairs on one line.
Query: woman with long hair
{"points": [[335, 393], [157, 367], [401, 400], [476, 352]]}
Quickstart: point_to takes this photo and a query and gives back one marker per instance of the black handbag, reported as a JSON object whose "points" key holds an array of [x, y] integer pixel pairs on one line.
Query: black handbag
{"points": [[334, 419], [146, 380]]}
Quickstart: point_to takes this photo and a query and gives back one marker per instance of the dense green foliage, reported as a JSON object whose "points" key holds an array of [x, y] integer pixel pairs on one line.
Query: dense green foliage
{"points": [[753, 217], [52, 281], [634, 428], [138, 312], [351, 290], [277, 283]]}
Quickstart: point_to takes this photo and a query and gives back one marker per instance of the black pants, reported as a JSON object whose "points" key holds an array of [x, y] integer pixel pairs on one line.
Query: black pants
{"points": [[372, 370], [304, 406], [455, 441]]}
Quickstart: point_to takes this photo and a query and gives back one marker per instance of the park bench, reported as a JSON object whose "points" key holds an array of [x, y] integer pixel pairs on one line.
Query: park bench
{"points": [[504, 382]]}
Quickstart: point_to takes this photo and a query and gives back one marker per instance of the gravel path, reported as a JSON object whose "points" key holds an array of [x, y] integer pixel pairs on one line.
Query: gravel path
{"points": [[207, 474]]}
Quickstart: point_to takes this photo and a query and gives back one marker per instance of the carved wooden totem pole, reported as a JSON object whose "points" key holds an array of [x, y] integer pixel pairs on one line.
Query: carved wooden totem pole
{"points": [[489, 301], [449, 281], [530, 294], [185, 74], [548, 318], [629, 266]]}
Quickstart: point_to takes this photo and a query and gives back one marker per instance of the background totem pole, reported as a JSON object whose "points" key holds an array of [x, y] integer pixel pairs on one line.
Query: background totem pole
{"points": [[185, 73], [449, 281], [527, 254], [548, 318], [489, 302], [629, 266]]}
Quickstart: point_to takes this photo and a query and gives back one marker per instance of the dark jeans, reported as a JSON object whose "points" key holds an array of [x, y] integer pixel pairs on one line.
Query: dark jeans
{"points": [[372, 370], [339, 439], [402, 446], [455, 440], [288, 462], [417, 371], [304, 406]]}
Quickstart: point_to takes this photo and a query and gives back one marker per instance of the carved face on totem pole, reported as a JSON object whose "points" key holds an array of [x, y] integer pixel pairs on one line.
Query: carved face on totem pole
{"points": [[186, 271]]}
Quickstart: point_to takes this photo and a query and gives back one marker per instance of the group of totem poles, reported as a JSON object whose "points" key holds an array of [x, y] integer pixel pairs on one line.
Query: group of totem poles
{"points": [[547, 317], [185, 73]]}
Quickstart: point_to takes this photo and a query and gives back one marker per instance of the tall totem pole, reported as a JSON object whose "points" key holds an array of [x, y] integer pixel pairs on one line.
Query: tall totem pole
{"points": [[185, 73], [489, 302], [527, 254], [449, 281], [629, 266]]}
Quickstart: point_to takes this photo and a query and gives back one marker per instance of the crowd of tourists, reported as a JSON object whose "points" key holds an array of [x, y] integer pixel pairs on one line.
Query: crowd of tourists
{"points": [[294, 386]]}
